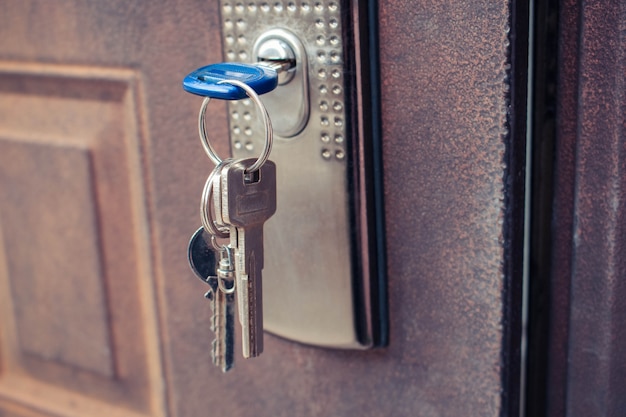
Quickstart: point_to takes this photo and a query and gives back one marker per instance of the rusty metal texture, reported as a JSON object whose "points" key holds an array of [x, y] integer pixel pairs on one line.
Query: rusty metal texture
{"points": [[587, 371], [453, 197]]}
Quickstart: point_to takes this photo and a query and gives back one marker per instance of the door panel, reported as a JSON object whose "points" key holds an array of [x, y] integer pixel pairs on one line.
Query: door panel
{"points": [[76, 272], [586, 368], [101, 164]]}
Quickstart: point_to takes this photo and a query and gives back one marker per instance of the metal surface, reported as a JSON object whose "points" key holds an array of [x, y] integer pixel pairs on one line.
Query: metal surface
{"points": [[318, 283]]}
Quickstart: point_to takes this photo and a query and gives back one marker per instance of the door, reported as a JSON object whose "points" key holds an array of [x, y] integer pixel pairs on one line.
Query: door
{"points": [[100, 175]]}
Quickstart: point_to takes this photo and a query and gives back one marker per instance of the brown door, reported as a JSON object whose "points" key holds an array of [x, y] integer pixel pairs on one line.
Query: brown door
{"points": [[100, 172]]}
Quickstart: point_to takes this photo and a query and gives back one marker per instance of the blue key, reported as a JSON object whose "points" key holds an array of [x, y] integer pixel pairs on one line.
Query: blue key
{"points": [[204, 81]]}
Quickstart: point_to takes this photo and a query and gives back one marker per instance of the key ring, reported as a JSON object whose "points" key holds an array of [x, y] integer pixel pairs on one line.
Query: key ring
{"points": [[223, 288], [267, 123], [205, 210], [217, 246], [220, 281]]}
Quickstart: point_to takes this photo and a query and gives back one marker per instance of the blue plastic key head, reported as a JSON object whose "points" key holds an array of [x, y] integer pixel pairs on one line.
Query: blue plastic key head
{"points": [[204, 81]]}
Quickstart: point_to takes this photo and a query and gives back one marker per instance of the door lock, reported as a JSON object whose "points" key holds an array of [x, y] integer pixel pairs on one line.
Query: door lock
{"points": [[324, 269]]}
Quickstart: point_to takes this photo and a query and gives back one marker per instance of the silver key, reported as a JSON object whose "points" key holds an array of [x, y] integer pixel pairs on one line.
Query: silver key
{"points": [[248, 200], [223, 347], [221, 294]]}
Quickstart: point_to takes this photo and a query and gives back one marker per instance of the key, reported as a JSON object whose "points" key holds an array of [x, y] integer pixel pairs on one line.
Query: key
{"points": [[205, 81], [248, 201], [220, 294], [223, 346]]}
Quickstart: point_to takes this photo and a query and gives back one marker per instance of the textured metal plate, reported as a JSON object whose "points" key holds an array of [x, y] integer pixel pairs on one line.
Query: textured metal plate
{"points": [[318, 279]]}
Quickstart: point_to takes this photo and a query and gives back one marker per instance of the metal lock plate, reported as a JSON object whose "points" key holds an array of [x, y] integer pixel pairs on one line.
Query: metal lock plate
{"points": [[324, 251]]}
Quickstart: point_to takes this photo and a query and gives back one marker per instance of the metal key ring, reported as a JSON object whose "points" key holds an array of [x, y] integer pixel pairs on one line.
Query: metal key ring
{"points": [[220, 280], [267, 123], [205, 210], [216, 245], [223, 288]]}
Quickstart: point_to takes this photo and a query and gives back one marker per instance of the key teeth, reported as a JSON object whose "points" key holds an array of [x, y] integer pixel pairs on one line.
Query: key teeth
{"points": [[221, 361], [213, 350]]}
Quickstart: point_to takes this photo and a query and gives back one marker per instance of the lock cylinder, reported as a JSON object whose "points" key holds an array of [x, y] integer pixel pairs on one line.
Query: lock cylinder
{"points": [[288, 105], [278, 55]]}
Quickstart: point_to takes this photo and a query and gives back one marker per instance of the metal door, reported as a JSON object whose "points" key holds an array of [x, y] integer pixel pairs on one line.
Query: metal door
{"points": [[101, 172]]}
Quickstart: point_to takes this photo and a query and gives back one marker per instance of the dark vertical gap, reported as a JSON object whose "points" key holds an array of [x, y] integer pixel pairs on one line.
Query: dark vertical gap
{"points": [[370, 150], [543, 131], [379, 269], [353, 178], [514, 230]]}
